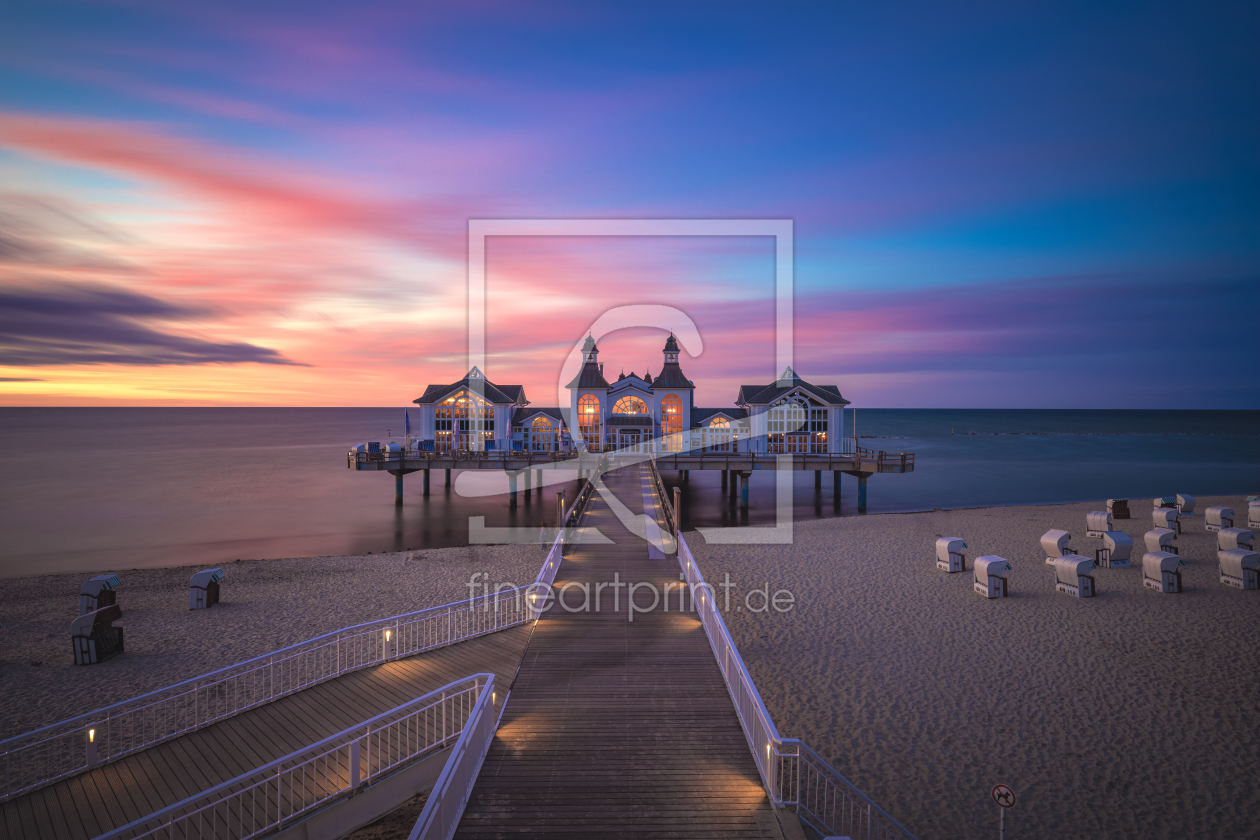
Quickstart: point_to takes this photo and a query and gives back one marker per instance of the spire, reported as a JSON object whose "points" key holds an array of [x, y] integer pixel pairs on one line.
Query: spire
{"points": [[789, 375], [590, 352], [475, 373]]}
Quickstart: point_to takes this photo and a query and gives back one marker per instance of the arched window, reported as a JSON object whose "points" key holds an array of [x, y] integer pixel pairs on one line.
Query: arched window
{"points": [[672, 423], [589, 422], [542, 433], [463, 421], [718, 435], [629, 405], [787, 425]]}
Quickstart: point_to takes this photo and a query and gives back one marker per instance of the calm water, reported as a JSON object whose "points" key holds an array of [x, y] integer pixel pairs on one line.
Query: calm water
{"points": [[99, 489]]}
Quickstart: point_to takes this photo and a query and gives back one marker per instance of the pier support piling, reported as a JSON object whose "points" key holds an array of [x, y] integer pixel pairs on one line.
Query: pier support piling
{"points": [[448, 478], [744, 480], [528, 476], [538, 481], [725, 474], [861, 494], [398, 488], [817, 479], [512, 488], [835, 481], [426, 482]]}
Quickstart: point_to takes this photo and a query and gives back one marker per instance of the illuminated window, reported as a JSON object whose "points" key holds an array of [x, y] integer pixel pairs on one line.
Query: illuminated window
{"points": [[463, 421], [629, 405], [542, 434], [717, 435], [672, 423], [589, 422]]}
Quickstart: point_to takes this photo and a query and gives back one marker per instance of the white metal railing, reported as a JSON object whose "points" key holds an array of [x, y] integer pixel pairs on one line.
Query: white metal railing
{"points": [[276, 794], [447, 800], [793, 774], [63, 749]]}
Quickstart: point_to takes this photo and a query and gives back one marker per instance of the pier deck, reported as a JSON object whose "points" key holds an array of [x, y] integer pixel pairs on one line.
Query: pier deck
{"points": [[99, 800], [618, 728]]}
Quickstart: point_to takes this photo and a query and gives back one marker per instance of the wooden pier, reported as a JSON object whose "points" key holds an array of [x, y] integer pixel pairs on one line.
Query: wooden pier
{"points": [[619, 728], [112, 795]]}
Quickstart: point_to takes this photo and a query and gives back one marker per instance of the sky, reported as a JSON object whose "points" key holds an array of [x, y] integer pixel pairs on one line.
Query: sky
{"points": [[1024, 205]]}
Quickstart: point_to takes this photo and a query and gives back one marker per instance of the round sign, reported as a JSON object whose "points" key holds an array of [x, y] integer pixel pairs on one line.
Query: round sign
{"points": [[1003, 796]]}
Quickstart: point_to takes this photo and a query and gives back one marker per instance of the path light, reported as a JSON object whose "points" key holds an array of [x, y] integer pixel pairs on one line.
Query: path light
{"points": [[91, 736], [387, 634]]}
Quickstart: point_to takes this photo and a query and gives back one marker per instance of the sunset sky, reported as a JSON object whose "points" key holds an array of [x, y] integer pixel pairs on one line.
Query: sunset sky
{"points": [[995, 204]]}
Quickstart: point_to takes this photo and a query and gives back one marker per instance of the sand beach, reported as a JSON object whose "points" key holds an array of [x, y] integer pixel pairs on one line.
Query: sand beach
{"points": [[1129, 714]]}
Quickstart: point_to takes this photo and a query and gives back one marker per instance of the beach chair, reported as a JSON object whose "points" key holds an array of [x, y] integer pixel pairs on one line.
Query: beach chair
{"points": [[1160, 571], [990, 575], [98, 592], [94, 638], [1116, 551], [1228, 538], [1072, 576], [1118, 508], [1239, 568], [949, 556], [1216, 518], [1161, 539], [1167, 518], [1097, 523], [203, 589], [1185, 504], [1166, 502], [1253, 512], [1055, 544]]}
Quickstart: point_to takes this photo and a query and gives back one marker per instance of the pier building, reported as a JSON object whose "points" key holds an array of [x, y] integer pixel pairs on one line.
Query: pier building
{"points": [[632, 414]]}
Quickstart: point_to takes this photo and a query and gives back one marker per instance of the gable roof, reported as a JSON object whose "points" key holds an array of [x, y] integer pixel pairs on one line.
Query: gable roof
{"points": [[701, 415], [766, 394], [497, 394], [523, 415]]}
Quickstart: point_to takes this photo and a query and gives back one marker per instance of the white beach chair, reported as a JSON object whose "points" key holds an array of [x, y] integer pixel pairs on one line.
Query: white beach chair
{"points": [[98, 592], [203, 589], [1160, 571], [1239, 568], [1216, 518], [1185, 504], [1161, 539], [1055, 544], [1116, 551], [1253, 513], [1097, 523], [949, 554], [990, 575], [1167, 518], [1072, 576], [1228, 538], [1165, 501]]}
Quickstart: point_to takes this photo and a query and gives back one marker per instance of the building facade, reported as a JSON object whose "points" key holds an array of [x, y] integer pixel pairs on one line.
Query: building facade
{"points": [[634, 413]]}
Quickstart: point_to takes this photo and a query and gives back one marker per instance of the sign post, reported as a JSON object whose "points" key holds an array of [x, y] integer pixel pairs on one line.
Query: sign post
{"points": [[1005, 798]]}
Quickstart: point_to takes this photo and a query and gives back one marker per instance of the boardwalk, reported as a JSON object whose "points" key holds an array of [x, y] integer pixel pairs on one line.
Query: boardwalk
{"points": [[92, 803], [618, 728]]}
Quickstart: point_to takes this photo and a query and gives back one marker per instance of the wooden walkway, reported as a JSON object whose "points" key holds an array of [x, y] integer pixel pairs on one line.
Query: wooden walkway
{"points": [[113, 795], [619, 728]]}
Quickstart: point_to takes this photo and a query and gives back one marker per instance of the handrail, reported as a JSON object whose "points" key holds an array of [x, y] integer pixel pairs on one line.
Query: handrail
{"points": [[59, 750], [266, 798], [792, 773], [667, 506]]}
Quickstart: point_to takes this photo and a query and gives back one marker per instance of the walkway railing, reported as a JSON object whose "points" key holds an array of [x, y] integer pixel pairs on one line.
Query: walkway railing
{"points": [[793, 774], [64, 749], [276, 794]]}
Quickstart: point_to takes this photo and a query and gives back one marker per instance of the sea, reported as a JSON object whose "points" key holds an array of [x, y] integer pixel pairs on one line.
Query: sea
{"points": [[108, 489]]}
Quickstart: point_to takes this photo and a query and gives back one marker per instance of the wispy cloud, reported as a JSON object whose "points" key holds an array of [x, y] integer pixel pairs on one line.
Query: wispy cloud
{"points": [[77, 326]]}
